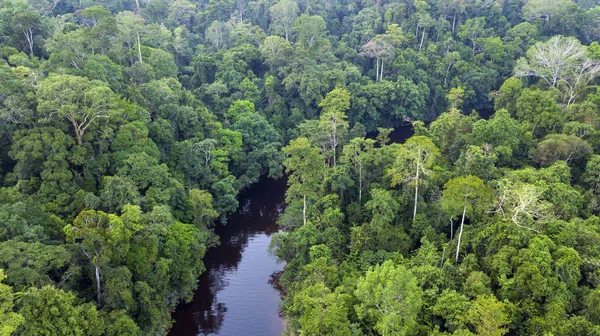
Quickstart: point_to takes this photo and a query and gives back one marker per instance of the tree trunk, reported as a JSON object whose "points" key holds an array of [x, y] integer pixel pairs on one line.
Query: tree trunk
{"points": [[98, 282], [360, 184], [29, 38], [137, 5], [422, 39], [377, 70], [451, 229], [416, 189], [381, 70], [454, 22], [462, 224], [139, 47], [304, 211]]}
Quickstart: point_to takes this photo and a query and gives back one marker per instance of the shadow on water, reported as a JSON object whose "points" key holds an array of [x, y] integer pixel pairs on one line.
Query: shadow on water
{"points": [[236, 293]]}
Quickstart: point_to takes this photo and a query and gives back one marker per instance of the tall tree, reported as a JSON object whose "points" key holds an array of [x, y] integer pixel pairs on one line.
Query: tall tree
{"points": [[357, 153], [333, 118], [100, 237], [466, 194], [306, 169], [283, 15], [562, 62], [79, 100], [414, 161]]}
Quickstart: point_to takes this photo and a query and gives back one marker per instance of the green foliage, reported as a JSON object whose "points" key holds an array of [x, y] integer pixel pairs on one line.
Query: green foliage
{"points": [[128, 129], [390, 298], [9, 320]]}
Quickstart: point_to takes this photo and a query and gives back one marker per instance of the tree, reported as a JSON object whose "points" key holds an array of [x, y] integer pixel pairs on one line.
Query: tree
{"points": [[357, 153], [561, 147], [390, 298], [50, 311], [283, 15], [276, 51], [310, 30], [321, 311], [306, 170], [181, 12], [217, 34], [546, 9], [488, 316], [9, 320], [523, 204], [28, 22], [414, 161], [508, 94], [379, 48], [99, 236], [540, 110], [562, 62], [333, 118], [77, 99], [201, 202], [465, 194]]}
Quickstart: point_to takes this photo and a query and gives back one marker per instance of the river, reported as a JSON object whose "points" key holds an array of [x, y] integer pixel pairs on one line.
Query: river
{"points": [[235, 295]]}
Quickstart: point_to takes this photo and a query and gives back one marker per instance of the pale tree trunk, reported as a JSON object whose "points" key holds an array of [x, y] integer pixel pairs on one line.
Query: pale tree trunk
{"points": [[139, 47], [377, 70], [381, 70], [447, 72], [454, 22], [137, 5], [304, 211], [422, 39], [78, 132], [98, 282], [451, 229], [29, 37], [462, 224]]}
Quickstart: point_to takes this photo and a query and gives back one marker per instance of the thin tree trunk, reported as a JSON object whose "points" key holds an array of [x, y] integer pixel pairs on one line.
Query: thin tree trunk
{"points": [[304, 210], [98, 282], [29, 38], [451, 229], [454, 22], [377, 70], [462, 224], [139, 47], [443, 255], [137, 5], [381, 71], [422, 39]]}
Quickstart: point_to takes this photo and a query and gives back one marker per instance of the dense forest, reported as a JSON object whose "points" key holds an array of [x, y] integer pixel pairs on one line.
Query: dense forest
{"points": [[128, 128]]}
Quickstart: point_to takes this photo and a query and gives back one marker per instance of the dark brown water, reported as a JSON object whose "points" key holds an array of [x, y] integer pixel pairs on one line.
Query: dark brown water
{"points": [[235, 295]]}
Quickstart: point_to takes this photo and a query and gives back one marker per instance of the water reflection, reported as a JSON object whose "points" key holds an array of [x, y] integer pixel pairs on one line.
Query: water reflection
{"points": [[236, 294]]}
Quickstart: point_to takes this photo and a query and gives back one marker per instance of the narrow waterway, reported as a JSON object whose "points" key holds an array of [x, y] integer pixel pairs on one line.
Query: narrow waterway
{"points": [[235, 294]]}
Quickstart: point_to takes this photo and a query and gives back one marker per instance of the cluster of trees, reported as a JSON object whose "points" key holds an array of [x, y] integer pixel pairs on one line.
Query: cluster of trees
{"points": [[129, 127], [471, 226]]}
